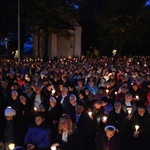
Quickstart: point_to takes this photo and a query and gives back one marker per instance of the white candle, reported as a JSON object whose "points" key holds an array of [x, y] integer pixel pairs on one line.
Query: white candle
{"points": [[104, 118], [53, 148], [107, 91], [53, 91], [136, 127], [129, 112], [11, 146], [35, 108], [137, 97], [115, 93], [90, 113]]}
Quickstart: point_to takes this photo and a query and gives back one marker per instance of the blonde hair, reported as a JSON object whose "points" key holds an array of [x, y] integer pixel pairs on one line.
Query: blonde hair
{"points": [[71, 126]]}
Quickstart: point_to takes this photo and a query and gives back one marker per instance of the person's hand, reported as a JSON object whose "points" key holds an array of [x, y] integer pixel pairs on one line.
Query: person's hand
{"points": [[1, 144], [55, 145], [136, 134], [129, 117], [30, 146]]}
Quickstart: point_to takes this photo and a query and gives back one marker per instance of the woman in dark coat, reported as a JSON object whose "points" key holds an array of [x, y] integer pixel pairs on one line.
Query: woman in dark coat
{"points": [[54, 113], [140, 124], [67, 138], [108, 140]]}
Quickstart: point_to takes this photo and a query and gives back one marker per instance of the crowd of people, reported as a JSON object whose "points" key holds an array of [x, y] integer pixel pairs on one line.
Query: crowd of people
{"points": [[75, 103]]}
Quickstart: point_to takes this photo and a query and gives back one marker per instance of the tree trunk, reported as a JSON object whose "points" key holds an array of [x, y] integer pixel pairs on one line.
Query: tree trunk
{"points": [[119, 49], [45, 55]]}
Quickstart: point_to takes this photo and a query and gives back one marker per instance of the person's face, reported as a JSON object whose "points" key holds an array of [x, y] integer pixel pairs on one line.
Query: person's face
{"points": [[72, 100], [8, 118], [97, 105], [23, 100], [79, 109], [39, 120], [135, 87], [14, 95], [128, 98], [27, 89], [52, 102], [141, 111], [49, 88], [117, 107], [64, 124], [100, 91], [110, 133], [91, 83], [80, 83], [64, 91], [81, 96]]}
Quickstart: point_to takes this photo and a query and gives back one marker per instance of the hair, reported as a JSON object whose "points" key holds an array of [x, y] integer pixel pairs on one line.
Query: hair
{"points": [[128, 94], [71, 127], [40, 114]]}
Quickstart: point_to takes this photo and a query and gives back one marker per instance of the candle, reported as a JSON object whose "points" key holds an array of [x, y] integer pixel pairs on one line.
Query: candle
{"points": [[35, 108], [104, 119], [11, 146], [107, 91], [53, 91], [136, 127], [90, 113], [137, 97], [129, 112], [115, 93], [53, 148]]}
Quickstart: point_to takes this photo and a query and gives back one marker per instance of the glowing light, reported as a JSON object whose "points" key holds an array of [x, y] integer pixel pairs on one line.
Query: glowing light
{"points": [[104, 119], [35, 108], [137, 127], [90, 113], [11, 146], [53, 91], [53, 148]]}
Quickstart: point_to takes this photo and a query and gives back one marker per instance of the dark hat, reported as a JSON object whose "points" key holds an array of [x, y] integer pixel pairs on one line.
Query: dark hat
{"points": [[118, 101], [24, 95], [104, 99], [80, 103]]}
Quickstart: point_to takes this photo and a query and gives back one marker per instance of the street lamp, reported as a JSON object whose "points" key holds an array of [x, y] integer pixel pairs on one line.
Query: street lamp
{"points": [[18, 31]]}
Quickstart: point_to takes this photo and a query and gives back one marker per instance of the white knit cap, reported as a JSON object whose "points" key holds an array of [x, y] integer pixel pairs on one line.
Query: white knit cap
{"points": [[10, 111]]}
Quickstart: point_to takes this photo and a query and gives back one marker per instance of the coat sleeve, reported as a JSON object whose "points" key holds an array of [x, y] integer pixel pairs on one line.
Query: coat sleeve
{"points": [[28, 136]]}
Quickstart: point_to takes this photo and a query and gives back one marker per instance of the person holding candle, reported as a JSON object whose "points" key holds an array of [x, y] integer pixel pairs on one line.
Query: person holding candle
{"points": [[9, 129], [117, 117], [140, 124], [109, 139], [82, 121], [137, 93], [129, 104]]}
